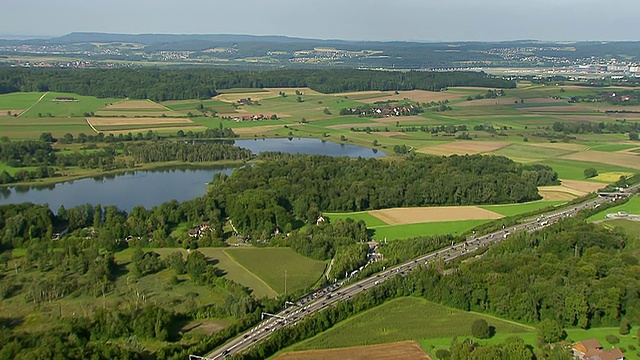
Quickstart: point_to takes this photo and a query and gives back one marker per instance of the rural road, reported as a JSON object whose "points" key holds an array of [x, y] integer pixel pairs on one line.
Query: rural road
{"points": [[323, 298], [34, 104]]}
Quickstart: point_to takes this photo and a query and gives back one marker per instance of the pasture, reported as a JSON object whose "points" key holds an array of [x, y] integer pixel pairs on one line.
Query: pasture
{"points": [[261, 269], [397, 232], [407, 318], [16, 103], [365, 216], [49, 107], [517, 209]]}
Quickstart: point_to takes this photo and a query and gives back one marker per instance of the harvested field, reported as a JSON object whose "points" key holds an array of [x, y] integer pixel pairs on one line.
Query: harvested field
{"points": [[561, 146], [403, 119], [135, 105], [627, 160], [262, 94], [136, 121], [256, 129], [391, 133], [349, 126], [414, 215], [553, 195], [558, 109], [404, 350], [412, 95], [569, 187], [158, 129], [486, 102], [463, 147], [585, 186]]}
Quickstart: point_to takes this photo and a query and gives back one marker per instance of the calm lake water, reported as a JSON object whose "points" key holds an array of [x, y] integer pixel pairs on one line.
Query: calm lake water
{"points": [[151, 188]]}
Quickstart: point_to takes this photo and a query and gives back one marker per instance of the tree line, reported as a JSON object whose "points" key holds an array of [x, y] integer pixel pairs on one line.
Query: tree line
{"points": [[47, 160], [196, 83]]}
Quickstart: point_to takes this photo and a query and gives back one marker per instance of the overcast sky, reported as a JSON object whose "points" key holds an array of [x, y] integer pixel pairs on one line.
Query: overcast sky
{"points": [[423, 20]]}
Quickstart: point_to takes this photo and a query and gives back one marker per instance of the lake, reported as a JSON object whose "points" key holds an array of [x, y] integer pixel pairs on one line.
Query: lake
{"points": [[151, 188]]}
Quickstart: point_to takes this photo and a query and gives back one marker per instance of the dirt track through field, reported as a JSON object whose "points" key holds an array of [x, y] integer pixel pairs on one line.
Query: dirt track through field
{"points": [[405, 350], [414, 215]]}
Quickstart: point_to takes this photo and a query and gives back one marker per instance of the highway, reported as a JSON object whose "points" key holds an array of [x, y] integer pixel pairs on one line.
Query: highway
{"points": [[321, 299]]}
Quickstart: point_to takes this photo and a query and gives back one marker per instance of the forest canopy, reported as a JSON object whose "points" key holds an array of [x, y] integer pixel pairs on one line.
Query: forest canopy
{"points": [[191, 83]]}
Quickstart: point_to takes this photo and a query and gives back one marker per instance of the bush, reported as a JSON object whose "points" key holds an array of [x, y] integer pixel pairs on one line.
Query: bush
{"points": [[590, 172], [480, 329], [632, 347], [612, 339], [625, 327], [443, 354]]}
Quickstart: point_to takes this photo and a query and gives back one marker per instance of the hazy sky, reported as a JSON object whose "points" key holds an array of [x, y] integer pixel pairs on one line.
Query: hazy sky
{"points": [[426, 20]]}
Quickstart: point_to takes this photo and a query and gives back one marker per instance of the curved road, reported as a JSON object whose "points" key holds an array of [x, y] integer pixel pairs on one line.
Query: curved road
{"points": [[325, 297]]}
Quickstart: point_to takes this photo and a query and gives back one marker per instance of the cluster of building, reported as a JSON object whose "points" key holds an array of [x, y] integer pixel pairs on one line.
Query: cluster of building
{"points": [[199, 231], [383, 111]]}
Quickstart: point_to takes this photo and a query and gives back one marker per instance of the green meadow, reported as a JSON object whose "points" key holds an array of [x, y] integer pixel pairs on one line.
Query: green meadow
{"points": [[408, 318], [398, 232], [517, 209]]}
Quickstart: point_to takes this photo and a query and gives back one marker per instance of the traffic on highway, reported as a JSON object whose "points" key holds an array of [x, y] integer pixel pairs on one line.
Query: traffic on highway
{"points": [[340, 291]]}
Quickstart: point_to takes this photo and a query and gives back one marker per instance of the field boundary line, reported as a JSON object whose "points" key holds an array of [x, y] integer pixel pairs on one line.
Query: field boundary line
{"points": [[156, 103], [250, 272], [91, 125], [501, 319], [34, 104]]}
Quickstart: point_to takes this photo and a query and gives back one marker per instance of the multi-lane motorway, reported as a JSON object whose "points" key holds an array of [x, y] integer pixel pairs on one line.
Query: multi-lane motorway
{"points": [[324, 298]]}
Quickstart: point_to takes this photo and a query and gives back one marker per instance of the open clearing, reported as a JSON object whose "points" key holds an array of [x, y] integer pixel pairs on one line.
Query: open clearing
{"points": [[407, 318], [463, 147], [405, 350], [620, 159], [135, 104], [414, 215]]}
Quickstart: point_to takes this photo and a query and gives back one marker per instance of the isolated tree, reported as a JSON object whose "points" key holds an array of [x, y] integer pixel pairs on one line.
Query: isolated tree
{"points": [[480, 329], [549, 331], [590, 172]]}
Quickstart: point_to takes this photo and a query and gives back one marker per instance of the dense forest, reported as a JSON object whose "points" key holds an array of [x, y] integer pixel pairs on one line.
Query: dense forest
{"points": [[168, 84], [283, 186]]}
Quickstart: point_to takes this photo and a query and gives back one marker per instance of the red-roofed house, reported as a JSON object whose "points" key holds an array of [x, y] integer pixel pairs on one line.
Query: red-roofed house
{"points": [[592, 350]]}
